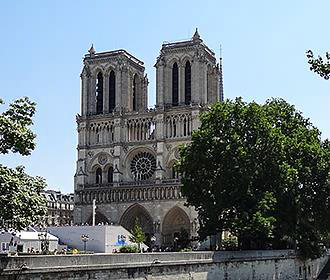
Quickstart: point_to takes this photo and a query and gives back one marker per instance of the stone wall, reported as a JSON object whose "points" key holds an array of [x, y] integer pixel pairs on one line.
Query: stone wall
{"points": [[156, 213], [252, 265]]}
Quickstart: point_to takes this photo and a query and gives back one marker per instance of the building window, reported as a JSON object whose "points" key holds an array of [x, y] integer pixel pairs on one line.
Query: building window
{"points": [[143, 166], [134, 92], [110, 174], [112, 91], [4, 246], [99, 93], [97, 136], [99, 176], [187, 83], [175, 84], [175, 174]]}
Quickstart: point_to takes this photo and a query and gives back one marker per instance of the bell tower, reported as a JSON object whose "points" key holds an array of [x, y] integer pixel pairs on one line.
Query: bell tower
{"points": [[112, 82], [187, 74], [127, 152]]}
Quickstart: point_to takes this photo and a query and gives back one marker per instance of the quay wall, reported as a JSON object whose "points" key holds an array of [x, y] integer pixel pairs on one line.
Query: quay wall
{"points": [[242, 265]]}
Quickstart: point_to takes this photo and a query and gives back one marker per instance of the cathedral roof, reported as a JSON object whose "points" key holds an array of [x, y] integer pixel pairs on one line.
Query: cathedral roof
{"points": [[186, 44], [121, 56]]}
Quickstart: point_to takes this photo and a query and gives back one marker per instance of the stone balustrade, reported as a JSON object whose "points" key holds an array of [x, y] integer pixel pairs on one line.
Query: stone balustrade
{"points": [[140, 127], [129, 192]]}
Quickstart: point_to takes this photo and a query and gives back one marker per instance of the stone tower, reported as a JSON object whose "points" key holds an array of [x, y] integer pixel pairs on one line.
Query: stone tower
{"points": [[126, 151], [187, 73]]}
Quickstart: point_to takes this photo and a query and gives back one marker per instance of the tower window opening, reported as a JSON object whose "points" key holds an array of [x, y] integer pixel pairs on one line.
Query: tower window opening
{"points": [[170, 128], [184, 127], [112, 135], [129, 132], [174, 128], [188, 126], [97, 140], [152, 128], [98, 176], [175, 84], [134, 92], [112, 91], [187, 83], [99, 93], [146, 131], [138, 132], [175, 174], [110, 174]]}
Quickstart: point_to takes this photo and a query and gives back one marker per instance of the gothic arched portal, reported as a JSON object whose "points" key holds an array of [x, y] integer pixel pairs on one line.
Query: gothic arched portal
{"points": [[174, 222], [137, 213]]}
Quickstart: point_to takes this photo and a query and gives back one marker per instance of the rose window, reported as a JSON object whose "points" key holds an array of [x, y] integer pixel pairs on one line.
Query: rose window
{"points": [[143, 166]]}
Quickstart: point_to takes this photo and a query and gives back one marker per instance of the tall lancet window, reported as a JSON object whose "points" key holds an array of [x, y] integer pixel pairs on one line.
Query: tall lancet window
{"points": [[187, 83], [112, 91], [99, 93], [134, 92], [110, 174], [98, 179], [175, 84]]}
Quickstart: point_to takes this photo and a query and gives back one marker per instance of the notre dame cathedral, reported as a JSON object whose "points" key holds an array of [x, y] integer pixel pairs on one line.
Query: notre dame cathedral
{"points": [[126, 151]]}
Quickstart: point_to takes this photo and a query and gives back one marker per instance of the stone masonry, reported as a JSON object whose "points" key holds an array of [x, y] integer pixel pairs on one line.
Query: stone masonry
{"points": [[126, 152], [221, 265]]}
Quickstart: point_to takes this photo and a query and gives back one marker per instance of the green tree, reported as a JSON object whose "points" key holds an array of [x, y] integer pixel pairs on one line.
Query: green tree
{"points": [[20, 196], [229, 243], [138, 235], [260, 172], [319, 65], [183, 240]]}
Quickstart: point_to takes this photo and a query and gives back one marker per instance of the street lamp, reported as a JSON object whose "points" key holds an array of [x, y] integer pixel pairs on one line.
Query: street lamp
{"points": [[84, 238]]}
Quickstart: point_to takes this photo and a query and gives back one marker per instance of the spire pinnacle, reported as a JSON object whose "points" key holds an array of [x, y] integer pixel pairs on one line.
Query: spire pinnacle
{"points": [[91, 50], [196, 35]]}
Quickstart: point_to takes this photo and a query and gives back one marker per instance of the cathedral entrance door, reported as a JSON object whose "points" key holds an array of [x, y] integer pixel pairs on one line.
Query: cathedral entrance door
{"points": [[176, 228], [138, 214]]}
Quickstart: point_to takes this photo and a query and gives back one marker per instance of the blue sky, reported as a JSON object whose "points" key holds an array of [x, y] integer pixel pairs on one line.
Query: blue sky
{"points": [[264, 42]]}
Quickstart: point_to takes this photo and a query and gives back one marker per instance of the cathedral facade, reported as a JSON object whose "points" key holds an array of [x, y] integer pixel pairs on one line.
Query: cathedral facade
{"points": [[127, 152]]}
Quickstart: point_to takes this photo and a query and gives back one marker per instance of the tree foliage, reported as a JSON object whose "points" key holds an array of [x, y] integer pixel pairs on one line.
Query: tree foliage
{"points": [[260, 172], [138, 235], [129, 249], [319, 65], [183, 240], [15, 135], [22, 203]]}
